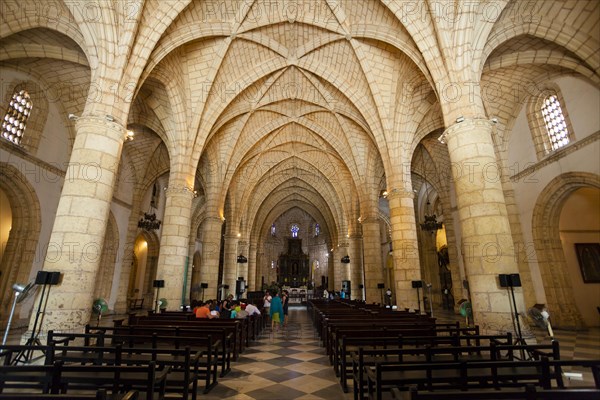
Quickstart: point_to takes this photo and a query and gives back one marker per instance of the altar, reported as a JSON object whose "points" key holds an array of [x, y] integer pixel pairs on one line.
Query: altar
{"points": [[293, 266]]}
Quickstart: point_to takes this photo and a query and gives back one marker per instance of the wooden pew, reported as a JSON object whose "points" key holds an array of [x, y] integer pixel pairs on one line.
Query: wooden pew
{"points": [[136, 334], [190, 358], [31, 378], [59, 378], [100, 395], [470, 375], [233, 326], [184, 363], [530, 392], [117, 378]]}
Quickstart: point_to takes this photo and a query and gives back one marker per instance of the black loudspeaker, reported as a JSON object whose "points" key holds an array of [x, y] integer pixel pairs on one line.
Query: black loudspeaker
{"points": [[204, 285], [225, 286], [417, 284], [158, 283], [508, 280], [47, 278], [380, 285], [360, 286]]}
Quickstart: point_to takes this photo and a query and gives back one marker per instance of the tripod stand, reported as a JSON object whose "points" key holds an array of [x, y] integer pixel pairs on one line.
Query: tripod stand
{"points": [[25, 355], [510, 282]]}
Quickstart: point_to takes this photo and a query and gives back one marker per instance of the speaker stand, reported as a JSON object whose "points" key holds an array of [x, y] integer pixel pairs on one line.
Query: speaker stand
{"points": [[25, 355], [520, 341], [157, 308], [419, 299]]}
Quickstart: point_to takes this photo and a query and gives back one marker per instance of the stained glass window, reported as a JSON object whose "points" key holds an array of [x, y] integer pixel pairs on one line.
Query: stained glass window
{"points": [[295, 229], [15, 120], [317, 229]]}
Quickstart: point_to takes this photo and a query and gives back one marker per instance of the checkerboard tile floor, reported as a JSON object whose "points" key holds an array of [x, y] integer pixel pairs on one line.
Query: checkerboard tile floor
{"points": [[290, 364], [284, 365]]}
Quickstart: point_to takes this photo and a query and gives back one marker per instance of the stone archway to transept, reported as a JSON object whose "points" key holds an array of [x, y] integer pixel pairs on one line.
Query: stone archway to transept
{"points": [[22, 235], [549, 247], [146, 249]]}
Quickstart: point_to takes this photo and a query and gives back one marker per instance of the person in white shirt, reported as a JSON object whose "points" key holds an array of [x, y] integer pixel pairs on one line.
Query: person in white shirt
{"points": [[267, 302], [251, 309]]}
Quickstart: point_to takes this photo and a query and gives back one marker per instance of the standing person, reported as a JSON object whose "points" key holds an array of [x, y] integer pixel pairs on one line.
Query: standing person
{"points": [[276, 312], [285, 300], [267, 302], [388, 297]]}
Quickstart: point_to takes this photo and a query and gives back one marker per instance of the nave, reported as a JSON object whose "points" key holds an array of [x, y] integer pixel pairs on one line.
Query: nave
{"points": [[292, 364]]}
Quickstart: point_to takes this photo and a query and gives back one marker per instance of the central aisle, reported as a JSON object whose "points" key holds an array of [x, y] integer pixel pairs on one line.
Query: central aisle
{"points": [[285, 365]]}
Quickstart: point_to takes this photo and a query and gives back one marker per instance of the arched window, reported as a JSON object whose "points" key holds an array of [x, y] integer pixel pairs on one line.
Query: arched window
{"points": [[294, 229], [549, 121], [317, 229], [273, 230], [15, 120], [554, 119]]}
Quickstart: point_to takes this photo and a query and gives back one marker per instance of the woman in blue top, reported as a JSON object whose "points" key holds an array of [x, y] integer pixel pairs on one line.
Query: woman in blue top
{"points": [[276, 312]]}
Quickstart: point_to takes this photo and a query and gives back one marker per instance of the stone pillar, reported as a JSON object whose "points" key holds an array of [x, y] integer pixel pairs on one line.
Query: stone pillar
{"points": [[242, 269], [372, 258], [211, 244], [230, 265], [252, 265], [78, 234], [174, 242], [132, 231], [487, 244], [404, 245], [356, 266]]}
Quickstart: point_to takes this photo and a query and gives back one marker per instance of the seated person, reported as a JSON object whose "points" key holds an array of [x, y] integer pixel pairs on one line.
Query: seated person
{"points": [[204, 311]]}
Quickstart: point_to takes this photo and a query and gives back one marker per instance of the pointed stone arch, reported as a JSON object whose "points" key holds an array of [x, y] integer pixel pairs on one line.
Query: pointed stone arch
{"points": [[19, 254], [548, 246]]}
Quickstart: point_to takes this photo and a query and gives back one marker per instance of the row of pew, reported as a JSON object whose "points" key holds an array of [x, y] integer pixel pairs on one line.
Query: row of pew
{"points": [[397, 354], [148, 356]]}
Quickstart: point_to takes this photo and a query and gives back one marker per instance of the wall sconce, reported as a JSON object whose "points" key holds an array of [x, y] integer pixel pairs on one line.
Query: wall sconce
{"points": [[241, 259], [442, 138], [460, 119], [345, 260], [73, 117], [109, 118], [129, 136]]}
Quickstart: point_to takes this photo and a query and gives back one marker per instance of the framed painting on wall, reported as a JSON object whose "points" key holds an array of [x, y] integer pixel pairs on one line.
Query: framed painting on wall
{"points": [[588, 255]]}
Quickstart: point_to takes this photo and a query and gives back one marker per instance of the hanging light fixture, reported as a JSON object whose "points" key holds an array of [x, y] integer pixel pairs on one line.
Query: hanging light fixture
{"points": [[430, 223], [149, 222]]}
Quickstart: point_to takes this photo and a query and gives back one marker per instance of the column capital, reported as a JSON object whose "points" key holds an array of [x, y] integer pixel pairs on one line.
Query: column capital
{"points": [[465, 125], [180, 190], [400, 193], [106, 122], [369, 219]]}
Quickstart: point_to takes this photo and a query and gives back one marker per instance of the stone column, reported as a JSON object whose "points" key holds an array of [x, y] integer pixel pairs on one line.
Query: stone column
{"points": [[487, 244], [174, 242], [404, 245], [242, 269], [132, 232], [252, 265], [211, 244], [230, 265], [372, 258], [356, 266], [77, 237]]}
